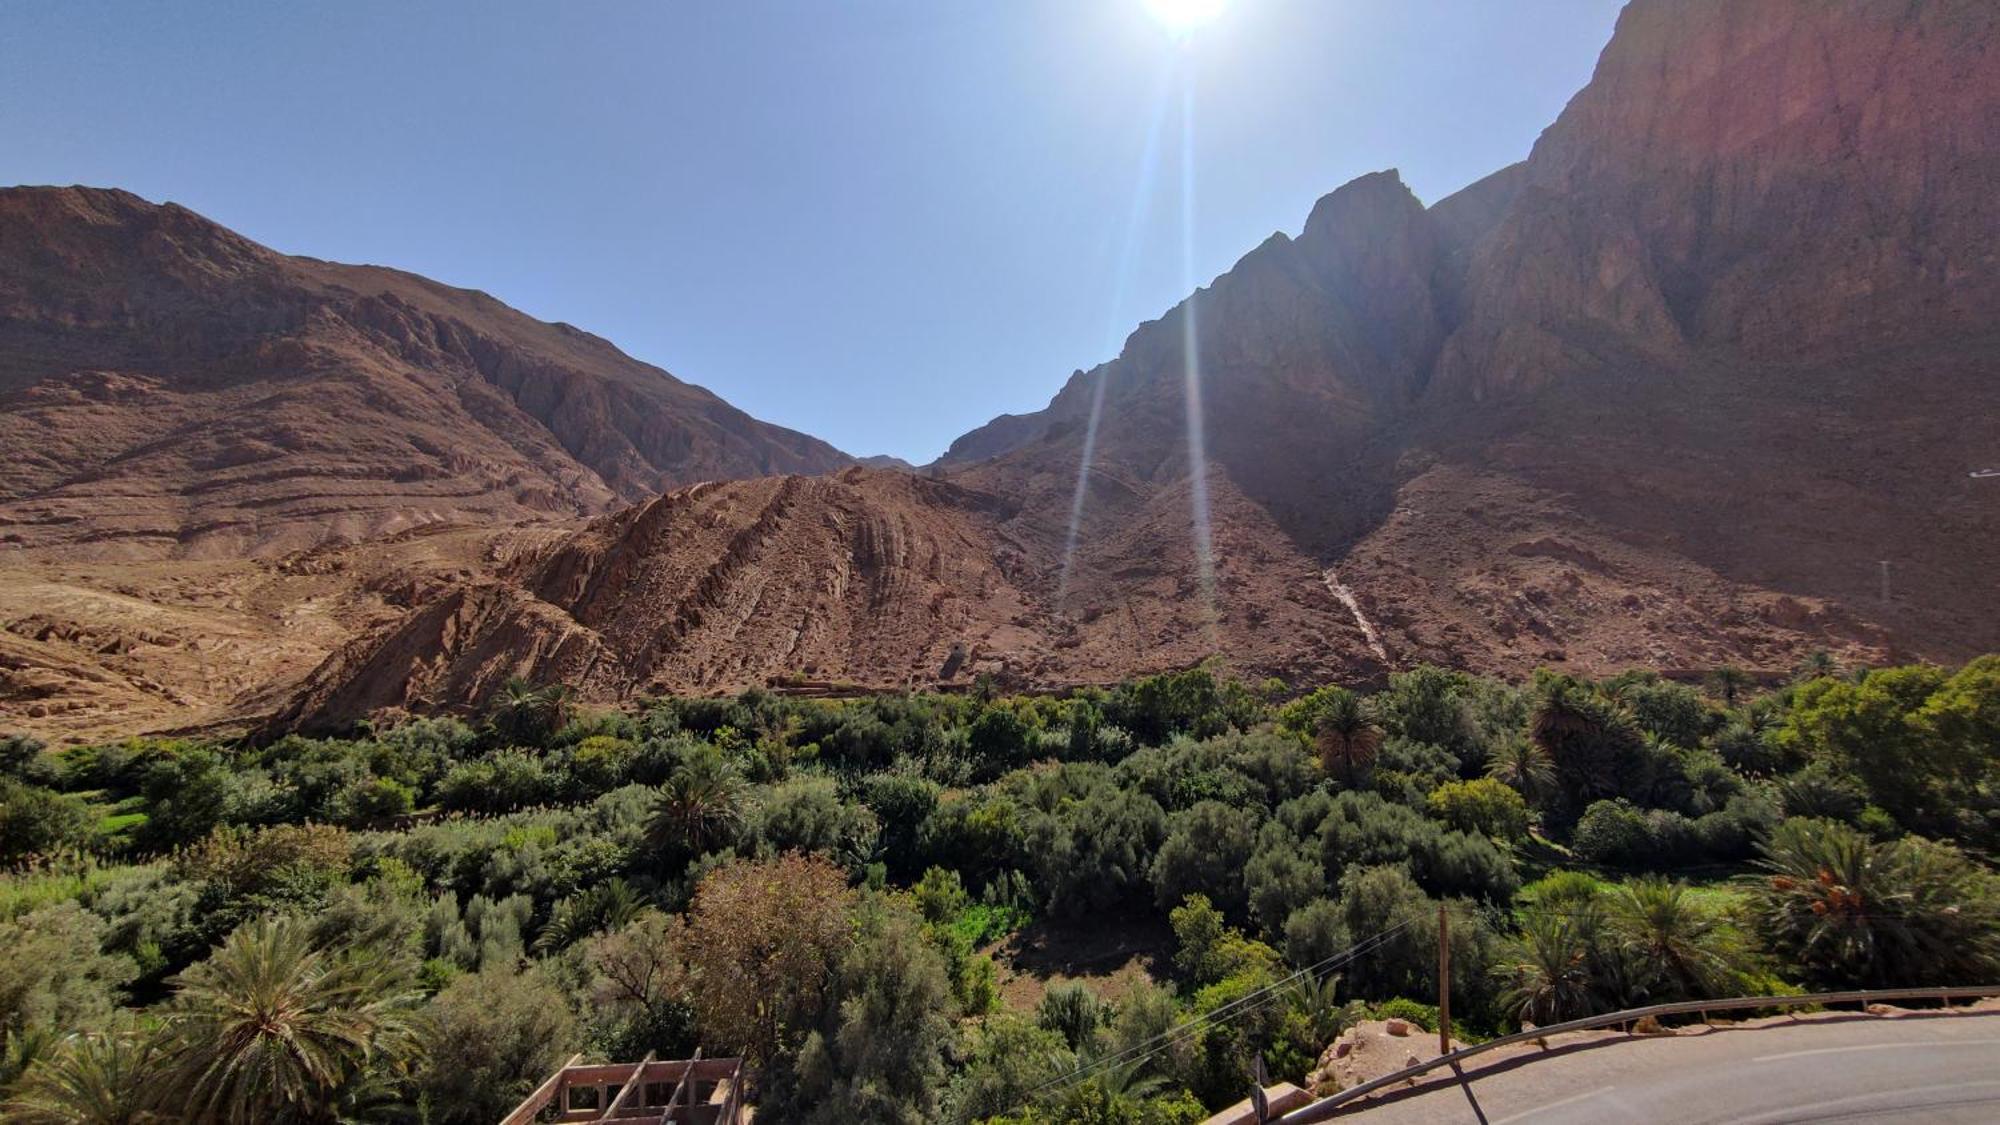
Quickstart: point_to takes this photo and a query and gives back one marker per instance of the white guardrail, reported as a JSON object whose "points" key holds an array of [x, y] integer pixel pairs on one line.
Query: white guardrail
{"points": [[1325, 1107]]}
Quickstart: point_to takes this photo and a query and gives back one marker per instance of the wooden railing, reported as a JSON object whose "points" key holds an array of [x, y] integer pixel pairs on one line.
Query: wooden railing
{"points": [[650, 1092]]}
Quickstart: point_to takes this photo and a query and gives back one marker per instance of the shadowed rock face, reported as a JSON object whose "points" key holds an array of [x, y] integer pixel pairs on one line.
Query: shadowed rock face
{"points": [[1772, 180], [1735, 311], [1666, 393], [169, 388]]}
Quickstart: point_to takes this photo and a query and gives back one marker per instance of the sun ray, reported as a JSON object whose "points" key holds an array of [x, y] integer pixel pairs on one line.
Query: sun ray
{"points": [[1197, 437], [1142, 201]]}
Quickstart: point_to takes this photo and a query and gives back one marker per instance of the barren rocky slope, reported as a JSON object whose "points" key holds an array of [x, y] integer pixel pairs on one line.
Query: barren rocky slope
{"points": [[875, 577], [171, 389], [93, 649]]}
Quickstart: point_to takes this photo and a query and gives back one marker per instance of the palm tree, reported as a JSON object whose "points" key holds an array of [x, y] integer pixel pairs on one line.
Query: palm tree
{"points": [[700, 808], [1731, 682], [1525, 766], [106, 1079], [1548, 970], [1681, 946], [1851, 912], [1819, 664], [604, 908], [529, 715], [1128, 1079], [270, 1028], [1346, 737], [1588, 738], [1318, 1000]]}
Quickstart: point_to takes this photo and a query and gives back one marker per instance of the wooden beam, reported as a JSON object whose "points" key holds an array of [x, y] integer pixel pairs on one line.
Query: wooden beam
{"points": [[637, 1080], [543, 1095], [676, 1097]]}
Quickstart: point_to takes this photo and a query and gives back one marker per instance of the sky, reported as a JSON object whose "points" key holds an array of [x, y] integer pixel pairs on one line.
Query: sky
{"points": [[881, 222]]}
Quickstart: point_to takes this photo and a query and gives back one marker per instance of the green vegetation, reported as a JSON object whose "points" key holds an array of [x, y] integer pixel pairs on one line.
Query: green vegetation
{"points": [[415, 923]]}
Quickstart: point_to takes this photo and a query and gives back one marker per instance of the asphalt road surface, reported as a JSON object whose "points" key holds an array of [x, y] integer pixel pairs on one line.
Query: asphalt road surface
{"points": [[1942, 1068]]}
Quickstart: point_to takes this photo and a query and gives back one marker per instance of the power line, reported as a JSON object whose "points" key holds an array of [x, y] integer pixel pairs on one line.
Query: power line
{"points": [[1232, 1010], [1605, 913]]}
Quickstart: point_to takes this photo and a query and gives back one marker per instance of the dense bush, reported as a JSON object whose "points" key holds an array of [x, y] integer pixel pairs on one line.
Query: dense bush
{"points": [[824, 886]]}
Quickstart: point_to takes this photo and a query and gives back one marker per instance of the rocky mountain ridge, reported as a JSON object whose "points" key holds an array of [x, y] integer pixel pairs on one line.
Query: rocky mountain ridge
{"points": [[169, 388]]}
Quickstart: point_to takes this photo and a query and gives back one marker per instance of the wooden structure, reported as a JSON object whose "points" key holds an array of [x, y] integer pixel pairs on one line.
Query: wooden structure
{"points": [[1282, 1098], [693, 1091]]}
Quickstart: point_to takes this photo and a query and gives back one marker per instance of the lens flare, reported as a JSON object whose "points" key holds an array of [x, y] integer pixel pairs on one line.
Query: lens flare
{"points": [[1142, 202], [1183, 16], [1197, 438]]}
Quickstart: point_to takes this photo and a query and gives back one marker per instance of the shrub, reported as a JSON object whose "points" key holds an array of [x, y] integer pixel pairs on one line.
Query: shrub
{"points": [[1204, 854], [22, 759], [1208, 951], [998, 741], [879, 1051], [1403, 1008], [1095, 853], [901, 802], [1484, 806], [1731, 833], [807, 814], [1282, 876], [501, 782], [1614, 833], [39, 822], [762, 940], [600, 763], [1314, 932], [940, 895], [187, 796], [53, 977], [1429, 705], [376, 800], [492, 1037], [1193, 703], [244, 862], [1073, 1011]]}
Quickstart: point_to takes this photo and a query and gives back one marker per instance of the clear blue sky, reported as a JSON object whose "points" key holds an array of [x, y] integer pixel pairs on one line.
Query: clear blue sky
{"points": [[879, 222]]}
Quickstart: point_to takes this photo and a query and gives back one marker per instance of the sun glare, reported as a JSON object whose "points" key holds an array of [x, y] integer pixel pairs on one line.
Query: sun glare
{"points": [[1183, 16]]}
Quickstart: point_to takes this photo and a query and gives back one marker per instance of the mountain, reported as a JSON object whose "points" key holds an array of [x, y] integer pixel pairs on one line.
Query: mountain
{"points": [[171, 389], [1700, 382], [1667, 393], [1721, 346]]}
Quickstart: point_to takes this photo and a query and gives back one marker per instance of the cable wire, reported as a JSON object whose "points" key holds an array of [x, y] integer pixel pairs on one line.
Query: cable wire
{"points": [[1234, 1009]]}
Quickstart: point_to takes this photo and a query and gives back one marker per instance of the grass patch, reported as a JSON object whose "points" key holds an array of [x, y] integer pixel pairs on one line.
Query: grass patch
{"points": [[983, 922], [22, 893], [119, 823]]}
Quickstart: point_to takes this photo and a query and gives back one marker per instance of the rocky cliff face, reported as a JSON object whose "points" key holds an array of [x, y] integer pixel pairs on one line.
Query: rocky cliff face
{"points": [[1773, 180], [169, 388], [1733, 313]]}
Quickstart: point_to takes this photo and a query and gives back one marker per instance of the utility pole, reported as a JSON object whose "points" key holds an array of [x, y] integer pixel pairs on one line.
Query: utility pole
{"points": [[1444, 981], [1885, 581]]}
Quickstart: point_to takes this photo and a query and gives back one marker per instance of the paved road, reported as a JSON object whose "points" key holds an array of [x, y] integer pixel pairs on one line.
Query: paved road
{"points": [[1909, 1068]]}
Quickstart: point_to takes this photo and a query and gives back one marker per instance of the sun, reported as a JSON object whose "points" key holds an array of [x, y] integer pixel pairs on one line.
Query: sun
{"points": [[1183, 16]]}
